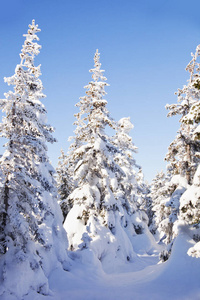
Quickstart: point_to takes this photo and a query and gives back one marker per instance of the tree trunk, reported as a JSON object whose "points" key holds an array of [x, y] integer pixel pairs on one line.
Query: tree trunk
{"points": [[188, 167], [4, 221], [188, 159]]}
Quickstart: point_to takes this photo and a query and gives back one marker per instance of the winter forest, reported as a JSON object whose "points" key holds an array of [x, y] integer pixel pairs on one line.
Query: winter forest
{"points": [[93, 228]]}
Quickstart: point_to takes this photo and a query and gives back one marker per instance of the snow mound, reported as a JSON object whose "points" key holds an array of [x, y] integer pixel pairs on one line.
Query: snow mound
{"points": [[176, 279]]}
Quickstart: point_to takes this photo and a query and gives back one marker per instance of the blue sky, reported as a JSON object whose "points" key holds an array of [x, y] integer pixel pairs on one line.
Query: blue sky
{"points": [[144, 45]]}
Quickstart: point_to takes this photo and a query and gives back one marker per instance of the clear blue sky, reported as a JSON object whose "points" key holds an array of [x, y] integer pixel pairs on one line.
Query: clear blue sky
{"points": [[144, 45]]}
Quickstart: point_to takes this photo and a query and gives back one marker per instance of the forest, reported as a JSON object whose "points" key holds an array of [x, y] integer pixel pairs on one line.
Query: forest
{"points": [[94, 228]]}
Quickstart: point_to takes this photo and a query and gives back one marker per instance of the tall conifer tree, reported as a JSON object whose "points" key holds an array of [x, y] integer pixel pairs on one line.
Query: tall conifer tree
{"points": [[96, 211], [102, 205], [32, 237], [183, 153], [129, 190]]}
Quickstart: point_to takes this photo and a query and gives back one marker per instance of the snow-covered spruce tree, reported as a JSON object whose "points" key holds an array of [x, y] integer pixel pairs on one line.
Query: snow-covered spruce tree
{"points": [[161, 192], [178, 178], [33, 241], [65, 182], [183, 152], [130, 190], [189, 215], [168, 208], [96, 213], [144, 201], [165, 194], [190, 201], [157, 195], [124, 158]]}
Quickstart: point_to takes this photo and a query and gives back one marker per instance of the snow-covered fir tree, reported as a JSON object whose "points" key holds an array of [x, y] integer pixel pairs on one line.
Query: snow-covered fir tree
{"points": [[175, 184], [165, 194], [130, 190], [32, 239], [96, 213], [65, 182], [189, 215], [189, 209], [161, 192], [175, 189], [157, 195], [144, 201], [124, 158], [104, 215], [190, 201], [183, 153]]}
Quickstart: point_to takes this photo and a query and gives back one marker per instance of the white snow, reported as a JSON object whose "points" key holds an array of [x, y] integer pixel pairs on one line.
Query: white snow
{"points": [[142, 279], [195, 251]]}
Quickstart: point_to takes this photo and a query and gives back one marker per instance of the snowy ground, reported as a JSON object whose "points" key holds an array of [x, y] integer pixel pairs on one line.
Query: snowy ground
{"points": [[143, 279]]}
